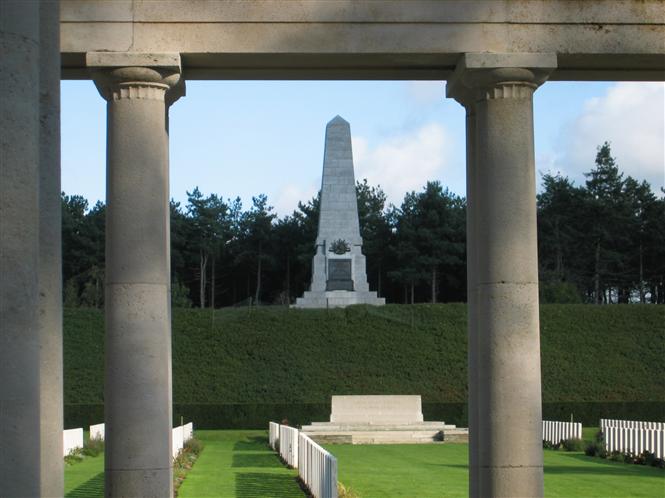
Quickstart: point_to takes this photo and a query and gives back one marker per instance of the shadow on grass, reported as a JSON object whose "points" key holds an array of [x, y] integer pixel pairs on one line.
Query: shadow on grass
{"points": [[448, 465], [254, 485], [92, 488], [600, 466], [256, 460], [251, 443]]}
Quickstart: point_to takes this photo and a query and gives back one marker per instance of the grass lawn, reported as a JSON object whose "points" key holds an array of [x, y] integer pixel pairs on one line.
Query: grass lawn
{"points": [[238, 464], [589, 433], [438, 471], [85, 479], [233, 464]]}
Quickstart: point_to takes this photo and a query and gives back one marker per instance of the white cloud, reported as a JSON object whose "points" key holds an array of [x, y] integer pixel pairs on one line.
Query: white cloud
{"points": [[631, 117], [405, 162], [427, 92], [288, 196]]}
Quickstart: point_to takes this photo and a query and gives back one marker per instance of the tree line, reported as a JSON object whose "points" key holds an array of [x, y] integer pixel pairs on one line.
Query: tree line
{"points": [[603, 242]]}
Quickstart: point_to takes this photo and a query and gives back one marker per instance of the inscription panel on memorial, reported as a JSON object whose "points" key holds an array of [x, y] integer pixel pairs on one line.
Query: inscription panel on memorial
{"points": [[339, 275]]}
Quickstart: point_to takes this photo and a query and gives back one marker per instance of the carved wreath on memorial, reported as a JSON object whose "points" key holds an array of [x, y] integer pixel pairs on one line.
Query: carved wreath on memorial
{"points": [[340, 246]]}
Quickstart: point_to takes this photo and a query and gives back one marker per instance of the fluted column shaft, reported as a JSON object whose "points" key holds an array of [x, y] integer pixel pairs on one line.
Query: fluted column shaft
{"points": [[19, 249], [504, 336], [137, 389]]}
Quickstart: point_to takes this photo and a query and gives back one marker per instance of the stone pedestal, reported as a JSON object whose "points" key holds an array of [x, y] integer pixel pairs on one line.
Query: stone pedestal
{"points": [[339, 277], [137, 390], [504, 343], [381, 419]]}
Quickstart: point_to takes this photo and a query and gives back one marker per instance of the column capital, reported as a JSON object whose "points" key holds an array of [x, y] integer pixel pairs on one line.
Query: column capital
{"points": [[486, 76], [129, 75]]}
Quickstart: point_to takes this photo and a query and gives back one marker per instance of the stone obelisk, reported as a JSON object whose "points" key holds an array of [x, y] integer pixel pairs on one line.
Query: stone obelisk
{"points": [[338, 268]]}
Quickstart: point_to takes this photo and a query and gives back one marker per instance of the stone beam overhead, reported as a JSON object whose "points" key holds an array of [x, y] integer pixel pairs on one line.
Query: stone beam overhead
{"points": [[369, 39]]}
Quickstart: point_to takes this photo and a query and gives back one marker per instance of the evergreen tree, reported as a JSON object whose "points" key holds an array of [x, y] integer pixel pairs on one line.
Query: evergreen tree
{"points": [[375, 230], [605, 218], [210, 230], [560, 208], [255, 238]]}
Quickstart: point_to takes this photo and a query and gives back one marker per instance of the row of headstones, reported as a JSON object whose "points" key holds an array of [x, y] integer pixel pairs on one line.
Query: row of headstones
{"points": [[317, 468], [555, 432], [635, 437], [630, 436], [73, 438]]}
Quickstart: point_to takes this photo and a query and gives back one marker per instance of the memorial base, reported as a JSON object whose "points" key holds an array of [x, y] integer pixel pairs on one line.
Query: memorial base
{"points": [[337, 299], [415, 433]]}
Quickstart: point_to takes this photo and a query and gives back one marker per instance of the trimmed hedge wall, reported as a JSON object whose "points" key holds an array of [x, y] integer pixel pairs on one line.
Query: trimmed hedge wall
{"points": [[256, 416], [242, 367]]}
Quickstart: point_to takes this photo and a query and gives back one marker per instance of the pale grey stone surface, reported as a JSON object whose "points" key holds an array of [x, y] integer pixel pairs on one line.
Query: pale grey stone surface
{"points": [[376, 409], [381, 419], [338, 220], [137, 387], [504, 344], [19, 249], [367, 39], [50, 256]]}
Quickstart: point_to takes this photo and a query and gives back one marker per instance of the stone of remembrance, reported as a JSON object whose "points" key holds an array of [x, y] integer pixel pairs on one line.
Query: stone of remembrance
{"points": [[381, 420]]}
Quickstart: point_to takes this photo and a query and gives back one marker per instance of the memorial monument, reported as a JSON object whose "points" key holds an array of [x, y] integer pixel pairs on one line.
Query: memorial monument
{"points": [[383, 419], [338, 267]]}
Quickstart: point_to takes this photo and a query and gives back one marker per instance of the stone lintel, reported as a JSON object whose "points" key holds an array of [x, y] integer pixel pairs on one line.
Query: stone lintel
{"points": [[169, 61], [480, 71]]}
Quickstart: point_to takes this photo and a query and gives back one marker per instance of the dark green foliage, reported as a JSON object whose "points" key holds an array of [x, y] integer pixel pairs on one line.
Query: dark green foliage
{"points": [[572, 444], [83, 251], [252, 365], [430, 242], [600, 242], [93, 447], [596, 448], [559, 293], [645, 458], [193, 445], [605, 241], [250, 415], [590, 412]]}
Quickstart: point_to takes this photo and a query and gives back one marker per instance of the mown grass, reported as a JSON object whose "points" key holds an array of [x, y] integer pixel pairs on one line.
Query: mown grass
{"points": [[238, 464], [85, 479], [440, 471]]}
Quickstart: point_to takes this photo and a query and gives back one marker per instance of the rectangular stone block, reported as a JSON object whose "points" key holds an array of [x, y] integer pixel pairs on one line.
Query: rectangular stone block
{"points": [[72, 439], [376, 409], [97, 431]]}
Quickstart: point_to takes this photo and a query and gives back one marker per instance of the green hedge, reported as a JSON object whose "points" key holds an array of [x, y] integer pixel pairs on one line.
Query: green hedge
{"points": [[255, 362], [257, 416]]}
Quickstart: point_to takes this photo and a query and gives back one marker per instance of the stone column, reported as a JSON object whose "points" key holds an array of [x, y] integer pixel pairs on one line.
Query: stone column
{"points": [[50, 254], [507, 442], [472, 297], [19, 249], [137, 392], [465, 97]]}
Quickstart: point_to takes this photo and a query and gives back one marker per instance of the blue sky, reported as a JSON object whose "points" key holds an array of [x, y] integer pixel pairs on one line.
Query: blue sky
{"points": [[249, 137]]}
